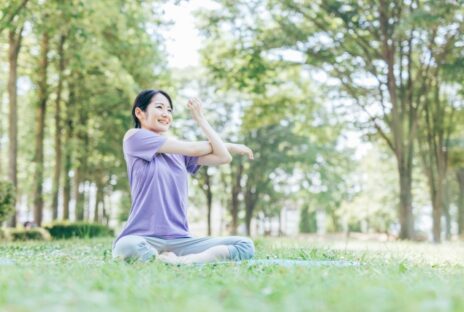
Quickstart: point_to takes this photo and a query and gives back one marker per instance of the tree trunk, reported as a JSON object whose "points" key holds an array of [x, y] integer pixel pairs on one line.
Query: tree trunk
{"points": [[236, 190], [460, 178], [446, 211], [406, 218], [107, 207], [87, 198], [58, 130], [251, 196], [81, 167], [437, 204], [403, 116], [209, 197], [39, 130], [69, 134], [98, 201], [14, 39], [78, 195], [436, 153]]}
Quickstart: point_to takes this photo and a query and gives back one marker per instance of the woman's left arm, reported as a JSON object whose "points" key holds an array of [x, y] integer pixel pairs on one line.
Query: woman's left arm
{"points": [[211, 159], [240, 149]]}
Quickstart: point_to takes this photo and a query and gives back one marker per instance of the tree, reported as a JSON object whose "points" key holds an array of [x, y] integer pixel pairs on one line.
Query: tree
{"points": [[40, 110], [377, 51], [14, 39]]}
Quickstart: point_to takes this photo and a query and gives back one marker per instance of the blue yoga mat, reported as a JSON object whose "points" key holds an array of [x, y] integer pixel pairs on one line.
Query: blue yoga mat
{"points": [[292, 263], [306, 263]]}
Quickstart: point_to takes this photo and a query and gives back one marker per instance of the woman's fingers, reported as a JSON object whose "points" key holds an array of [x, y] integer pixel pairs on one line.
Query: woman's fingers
{"points": [[250, 154], [194, 104]]}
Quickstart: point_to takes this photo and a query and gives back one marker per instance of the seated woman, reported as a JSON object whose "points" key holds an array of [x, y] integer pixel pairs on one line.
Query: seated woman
{"points": [[158, 168]]}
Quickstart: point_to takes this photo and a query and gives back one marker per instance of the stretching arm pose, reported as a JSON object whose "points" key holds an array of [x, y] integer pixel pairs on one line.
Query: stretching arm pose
{"points": [[158, 118]]}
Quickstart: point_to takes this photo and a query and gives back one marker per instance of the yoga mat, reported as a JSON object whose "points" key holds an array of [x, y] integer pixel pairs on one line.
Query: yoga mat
{"points": [[289, 263], [305, 263], [6, 261]]}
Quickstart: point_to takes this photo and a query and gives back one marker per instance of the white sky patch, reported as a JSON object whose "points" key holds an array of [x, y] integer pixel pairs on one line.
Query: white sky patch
{"points": [[182, 38]]}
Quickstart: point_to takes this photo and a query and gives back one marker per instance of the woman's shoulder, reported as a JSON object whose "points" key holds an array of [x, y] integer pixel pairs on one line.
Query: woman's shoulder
{"points": [[130, 133]]}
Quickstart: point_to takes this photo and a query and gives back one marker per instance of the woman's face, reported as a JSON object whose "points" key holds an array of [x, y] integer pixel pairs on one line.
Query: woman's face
{"points": [[158, 116]]}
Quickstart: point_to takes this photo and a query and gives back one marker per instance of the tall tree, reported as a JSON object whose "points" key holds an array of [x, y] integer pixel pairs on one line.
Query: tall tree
{"points": [[40, 110], [58, 128], [14, 40], [434, 146]]}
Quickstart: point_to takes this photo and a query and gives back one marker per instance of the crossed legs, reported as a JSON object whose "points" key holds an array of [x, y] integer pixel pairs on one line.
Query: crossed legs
{"points": [[184, 250]]}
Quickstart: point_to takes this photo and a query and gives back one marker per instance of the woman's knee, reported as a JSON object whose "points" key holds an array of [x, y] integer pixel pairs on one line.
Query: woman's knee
{"points": [[244, 249], [133, 248]]}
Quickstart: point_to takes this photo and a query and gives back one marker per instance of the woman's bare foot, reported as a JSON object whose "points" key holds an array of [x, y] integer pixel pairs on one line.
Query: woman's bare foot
{"points": [[172, 258], [168, 257]]}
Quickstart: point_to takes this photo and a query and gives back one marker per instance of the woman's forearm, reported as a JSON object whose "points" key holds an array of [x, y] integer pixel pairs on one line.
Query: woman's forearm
{"points": [[203, 148], [231, 147], [218, 147]]}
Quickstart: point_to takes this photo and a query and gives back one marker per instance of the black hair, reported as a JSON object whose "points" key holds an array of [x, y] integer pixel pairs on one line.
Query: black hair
{"points": [[142, 101]]}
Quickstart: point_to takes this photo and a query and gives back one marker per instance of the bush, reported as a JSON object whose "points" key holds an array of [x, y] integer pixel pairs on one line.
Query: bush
{"points": [[7, 199], [4, 235], [78, 229], [29, 234]]}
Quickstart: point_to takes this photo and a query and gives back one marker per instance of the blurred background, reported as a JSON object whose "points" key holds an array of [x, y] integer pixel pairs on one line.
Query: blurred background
{"points": [[354, 110]]}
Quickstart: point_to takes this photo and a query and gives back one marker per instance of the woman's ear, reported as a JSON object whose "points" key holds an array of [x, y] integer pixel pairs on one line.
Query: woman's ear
{"points": [[139, 114]]}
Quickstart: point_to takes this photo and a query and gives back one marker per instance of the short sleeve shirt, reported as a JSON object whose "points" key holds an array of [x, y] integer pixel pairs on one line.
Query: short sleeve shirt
{"points": [[158, 186]]}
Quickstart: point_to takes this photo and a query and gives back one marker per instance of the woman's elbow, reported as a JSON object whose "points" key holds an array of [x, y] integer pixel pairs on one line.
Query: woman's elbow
{"points": [[226, 159]]}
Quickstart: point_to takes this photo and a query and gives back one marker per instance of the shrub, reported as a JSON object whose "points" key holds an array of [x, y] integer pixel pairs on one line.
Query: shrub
{"points": [[4, 235], [64, 230], [29, 234], [7, 199]]}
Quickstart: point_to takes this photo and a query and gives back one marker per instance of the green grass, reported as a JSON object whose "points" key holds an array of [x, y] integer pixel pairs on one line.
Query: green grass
{"points": [[79, 275]]}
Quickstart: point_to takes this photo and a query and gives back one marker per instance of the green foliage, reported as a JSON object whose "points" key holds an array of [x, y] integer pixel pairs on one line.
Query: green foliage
{"points": [[7, 199], [29, 234], [78, 229], [308, 222]]}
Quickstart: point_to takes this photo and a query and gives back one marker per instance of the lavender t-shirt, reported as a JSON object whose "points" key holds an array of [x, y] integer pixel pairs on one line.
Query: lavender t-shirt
{"points": [[159, 187]]}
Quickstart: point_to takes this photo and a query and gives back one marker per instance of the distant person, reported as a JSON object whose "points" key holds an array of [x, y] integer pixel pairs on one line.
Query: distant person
{"points": [[158, 168]]}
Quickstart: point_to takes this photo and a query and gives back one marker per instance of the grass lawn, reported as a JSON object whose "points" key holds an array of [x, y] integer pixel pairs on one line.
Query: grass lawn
{"points": [[79, 275]]}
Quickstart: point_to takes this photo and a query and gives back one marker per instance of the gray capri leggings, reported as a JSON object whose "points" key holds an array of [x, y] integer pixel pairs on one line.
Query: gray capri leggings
{"points": [[144, 248]]}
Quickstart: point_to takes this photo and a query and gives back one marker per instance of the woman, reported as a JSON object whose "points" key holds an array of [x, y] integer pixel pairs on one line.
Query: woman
{"points": [[158, 168]]}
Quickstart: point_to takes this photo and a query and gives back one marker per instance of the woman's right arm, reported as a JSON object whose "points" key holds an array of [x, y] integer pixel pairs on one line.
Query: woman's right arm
{"points": [[175, 146], [213, 152]]}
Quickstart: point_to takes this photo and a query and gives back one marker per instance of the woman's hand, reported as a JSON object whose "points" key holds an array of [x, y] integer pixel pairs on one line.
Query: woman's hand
{"points": [[242, 149], [195, 106]]}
